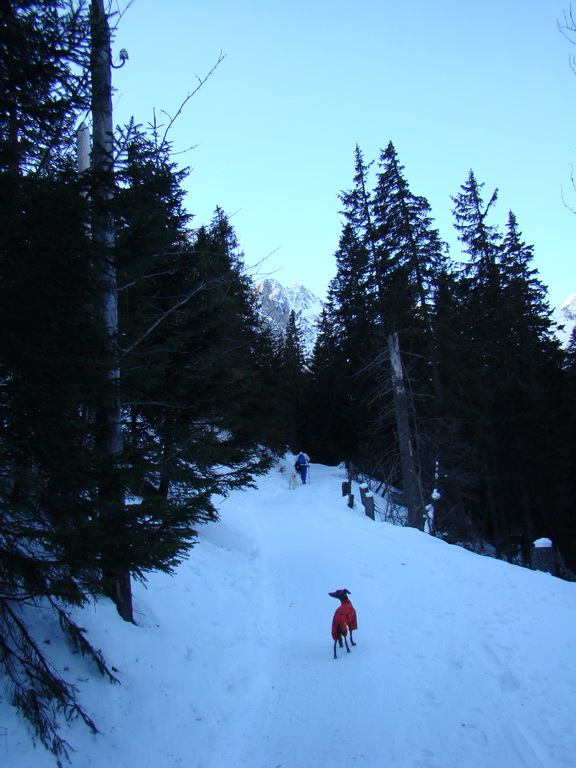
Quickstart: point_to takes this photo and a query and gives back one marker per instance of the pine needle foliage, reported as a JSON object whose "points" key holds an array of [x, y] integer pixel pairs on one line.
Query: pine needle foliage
{"points": [[187, 343], [486, 386]]}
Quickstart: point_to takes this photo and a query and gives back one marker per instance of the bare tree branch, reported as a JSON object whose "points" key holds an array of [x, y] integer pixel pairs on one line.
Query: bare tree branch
{"points": [[201, 81], [566, 27]]}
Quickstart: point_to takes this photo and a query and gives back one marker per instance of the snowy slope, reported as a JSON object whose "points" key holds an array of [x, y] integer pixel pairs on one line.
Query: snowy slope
{"points": [[462, 661]]}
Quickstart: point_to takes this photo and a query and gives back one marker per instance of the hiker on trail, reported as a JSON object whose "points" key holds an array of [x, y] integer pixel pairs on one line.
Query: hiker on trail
{"points": [[302, 464]]}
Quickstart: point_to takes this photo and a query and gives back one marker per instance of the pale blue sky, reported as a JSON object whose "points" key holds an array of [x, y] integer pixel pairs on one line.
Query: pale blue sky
{"points": [[455, 84]]}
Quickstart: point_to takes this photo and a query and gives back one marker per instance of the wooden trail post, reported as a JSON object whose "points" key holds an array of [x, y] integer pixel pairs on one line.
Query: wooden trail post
{"points": [[369, 505]]}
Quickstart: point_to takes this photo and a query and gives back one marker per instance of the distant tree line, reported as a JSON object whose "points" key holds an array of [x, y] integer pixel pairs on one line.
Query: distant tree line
{"points": [[428, 375], [477, 422]]}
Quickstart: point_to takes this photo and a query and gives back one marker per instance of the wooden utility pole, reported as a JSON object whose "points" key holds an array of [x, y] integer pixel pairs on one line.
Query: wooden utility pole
{"points": [[410, 480], [109, 417]]}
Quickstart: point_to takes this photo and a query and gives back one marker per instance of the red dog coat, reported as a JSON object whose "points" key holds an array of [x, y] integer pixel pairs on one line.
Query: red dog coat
{"points": [[344, 619]]}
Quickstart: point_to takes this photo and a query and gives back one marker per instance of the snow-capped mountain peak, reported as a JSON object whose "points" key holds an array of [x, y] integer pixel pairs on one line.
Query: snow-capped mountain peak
{"points": [[277, 302], [568, 307], [565, 316]]}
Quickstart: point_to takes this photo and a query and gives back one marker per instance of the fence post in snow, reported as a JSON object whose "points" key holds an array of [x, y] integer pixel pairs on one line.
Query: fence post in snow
{"points": [[351, 500], [369, 505], [346, 488], [543, 556], [363, 491]]}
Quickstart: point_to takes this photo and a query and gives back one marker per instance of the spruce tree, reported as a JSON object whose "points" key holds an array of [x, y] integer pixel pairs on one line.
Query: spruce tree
{"points": [[389, 261], [409, 257], [44, 51], [328, 395], [480, 238], [190, 347], [346, 343], [532, 453], [410, 249], [265, 409], [48, 365], [566, 522], [509, 377], [479, 292], [293, 385], [186, 344]]}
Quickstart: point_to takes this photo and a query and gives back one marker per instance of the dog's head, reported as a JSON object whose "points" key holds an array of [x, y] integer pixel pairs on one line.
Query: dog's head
{"points": [[340, 594]]}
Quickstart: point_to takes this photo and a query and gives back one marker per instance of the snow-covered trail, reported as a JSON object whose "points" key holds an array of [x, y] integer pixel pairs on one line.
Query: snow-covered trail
{"points": [[455, 666], [306, 705], [461, 661]]}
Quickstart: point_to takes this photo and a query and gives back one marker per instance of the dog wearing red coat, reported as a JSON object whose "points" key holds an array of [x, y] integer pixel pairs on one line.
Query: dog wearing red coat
{"points": [[344, 619]]}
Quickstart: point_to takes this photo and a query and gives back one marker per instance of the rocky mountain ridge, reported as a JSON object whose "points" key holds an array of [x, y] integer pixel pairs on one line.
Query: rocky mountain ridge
{"points": [[565, 316], [276, 302]]}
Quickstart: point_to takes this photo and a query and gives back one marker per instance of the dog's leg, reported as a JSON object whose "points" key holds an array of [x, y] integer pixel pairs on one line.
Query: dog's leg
{"points": [[339, 641], [351, 640], [340, 636]]}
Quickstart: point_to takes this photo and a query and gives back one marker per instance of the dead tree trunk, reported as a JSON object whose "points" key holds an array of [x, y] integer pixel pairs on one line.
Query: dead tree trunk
{"points": [[410, 479], [109, 417]]}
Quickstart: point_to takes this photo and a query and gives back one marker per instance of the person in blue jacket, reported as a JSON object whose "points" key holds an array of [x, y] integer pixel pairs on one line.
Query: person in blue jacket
{"points": [[302, 464]]}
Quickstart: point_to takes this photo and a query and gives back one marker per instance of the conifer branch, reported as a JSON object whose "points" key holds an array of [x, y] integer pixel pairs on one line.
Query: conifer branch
{"points": [[38, 691], [165, 315]]}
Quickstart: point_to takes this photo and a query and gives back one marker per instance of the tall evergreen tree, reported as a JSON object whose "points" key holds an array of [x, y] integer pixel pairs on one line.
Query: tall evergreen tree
{"points": [[410, 257], [48, 366], [189, 375], [481, 240], [293, 385], [388, 263], [530, 363], [568, 523], [479, 290], [44, 50], [510, 375], [411, 252], [187, 342], [329, 400], [265, 411], [346, 342]]}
